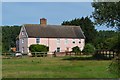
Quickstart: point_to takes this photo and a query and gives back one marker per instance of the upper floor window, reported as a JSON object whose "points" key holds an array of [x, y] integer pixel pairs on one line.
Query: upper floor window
{"points": [[79, 41], [58, 40], [66, 41], [74, 41], [22, 40], [37, 40]]}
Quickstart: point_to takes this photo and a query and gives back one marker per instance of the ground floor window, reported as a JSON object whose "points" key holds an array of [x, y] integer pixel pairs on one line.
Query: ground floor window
{"points": [[58, 49], [22, 49]]}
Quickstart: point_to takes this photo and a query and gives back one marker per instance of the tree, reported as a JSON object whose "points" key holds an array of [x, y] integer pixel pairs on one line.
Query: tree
{"points": [[0, 39], [110, 43], [105, 39], [89, 49], [38, 48], [109, 14], [87, 26], [9, 34]]}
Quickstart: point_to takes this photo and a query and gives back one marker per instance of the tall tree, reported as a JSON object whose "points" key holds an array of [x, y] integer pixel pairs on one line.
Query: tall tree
{"points": [[87, 26], [108, 13], [9, 34], [102, 38], [0, 39]]}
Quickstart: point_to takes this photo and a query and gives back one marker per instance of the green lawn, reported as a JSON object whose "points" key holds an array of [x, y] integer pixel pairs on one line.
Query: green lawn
{"points": [[55, 67]]}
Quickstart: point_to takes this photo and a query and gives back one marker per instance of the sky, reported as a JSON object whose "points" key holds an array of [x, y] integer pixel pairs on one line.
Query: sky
{"points": [[18, 13]]}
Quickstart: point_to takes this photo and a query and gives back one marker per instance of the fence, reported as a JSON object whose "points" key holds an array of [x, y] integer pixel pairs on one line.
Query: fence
{"points": [[39, 54], [106, 54]]}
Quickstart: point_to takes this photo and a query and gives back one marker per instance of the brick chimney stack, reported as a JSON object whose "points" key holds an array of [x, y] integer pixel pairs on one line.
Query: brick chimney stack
{"points": [[43, 22]]}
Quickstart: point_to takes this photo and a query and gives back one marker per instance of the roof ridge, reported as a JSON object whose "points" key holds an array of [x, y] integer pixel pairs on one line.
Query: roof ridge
{"points": [[55, 25]]}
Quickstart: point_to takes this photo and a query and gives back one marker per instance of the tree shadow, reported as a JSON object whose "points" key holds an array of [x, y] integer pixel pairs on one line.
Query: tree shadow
{"points": [[79, 58], [86, 58]]}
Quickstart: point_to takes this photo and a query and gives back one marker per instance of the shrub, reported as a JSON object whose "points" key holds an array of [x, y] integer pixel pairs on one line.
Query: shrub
{"points": [[38, 48], [89, 49], [76, 49]]}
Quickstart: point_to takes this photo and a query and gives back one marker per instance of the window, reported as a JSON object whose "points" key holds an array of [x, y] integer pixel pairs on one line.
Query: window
{"points": [[22, 49], [66, 41], [22, 40], [37, 40], [58, 49], [79, 41], [58, 40], [74, 41]]}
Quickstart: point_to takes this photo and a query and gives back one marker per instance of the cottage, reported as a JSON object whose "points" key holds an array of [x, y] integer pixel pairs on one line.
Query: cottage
{"points": [[57, 37]]}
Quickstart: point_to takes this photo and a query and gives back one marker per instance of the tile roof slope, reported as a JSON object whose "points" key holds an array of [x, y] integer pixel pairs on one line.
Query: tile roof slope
{"points": [[53, 31]]}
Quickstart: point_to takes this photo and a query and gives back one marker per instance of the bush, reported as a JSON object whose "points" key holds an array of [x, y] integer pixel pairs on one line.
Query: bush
{"points": [[89, 49], [38, 48], [76, 49]]}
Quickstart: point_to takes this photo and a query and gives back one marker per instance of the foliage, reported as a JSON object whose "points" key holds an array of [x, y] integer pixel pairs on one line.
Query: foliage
{"points": [[0, 39], [107, 13], [38, 48], [87, 26], [9, 34], [76, 49], [111, 43], [114, 67], [89, 49], [106, 40]]}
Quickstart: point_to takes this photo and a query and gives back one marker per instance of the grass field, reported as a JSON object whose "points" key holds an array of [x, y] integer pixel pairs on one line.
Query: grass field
{"points": [[56, 67]]}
